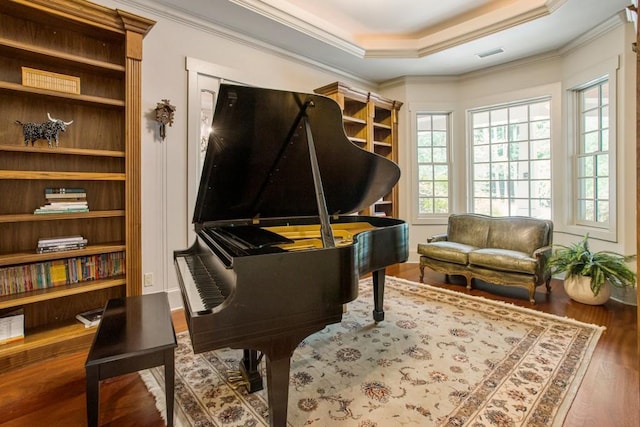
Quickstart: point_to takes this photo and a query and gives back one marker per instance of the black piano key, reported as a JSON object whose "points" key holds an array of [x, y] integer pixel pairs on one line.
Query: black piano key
{"points": [[207, 286]]}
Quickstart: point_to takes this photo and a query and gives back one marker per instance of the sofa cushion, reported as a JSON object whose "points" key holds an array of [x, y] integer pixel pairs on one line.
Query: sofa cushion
{"points": [[518, 234], [503, 259], [446, 251], [469, 229]]}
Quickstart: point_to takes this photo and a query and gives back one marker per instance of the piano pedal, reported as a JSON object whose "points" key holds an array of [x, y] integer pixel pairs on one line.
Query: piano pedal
{"points": [[241, 383], [252, 381], [252, 377]]}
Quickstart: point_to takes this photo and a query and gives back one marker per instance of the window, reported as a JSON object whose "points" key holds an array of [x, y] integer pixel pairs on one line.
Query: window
{"points": [[511, 159], [592, 156], [432, 146]]}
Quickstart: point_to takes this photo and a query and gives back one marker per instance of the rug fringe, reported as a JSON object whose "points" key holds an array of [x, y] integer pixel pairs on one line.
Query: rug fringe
{"points": [[153, 385]]}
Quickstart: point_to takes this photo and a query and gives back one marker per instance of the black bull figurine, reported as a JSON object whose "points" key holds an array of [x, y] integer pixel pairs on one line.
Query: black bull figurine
{"points": [[47, 130]]}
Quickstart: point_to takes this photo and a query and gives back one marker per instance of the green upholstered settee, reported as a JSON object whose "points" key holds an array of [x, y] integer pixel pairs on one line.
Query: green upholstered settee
{"points": [[509, 251]]}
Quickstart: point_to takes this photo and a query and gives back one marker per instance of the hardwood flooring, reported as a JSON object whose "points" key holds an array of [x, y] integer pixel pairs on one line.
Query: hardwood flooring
{"points": [[52, 393]]}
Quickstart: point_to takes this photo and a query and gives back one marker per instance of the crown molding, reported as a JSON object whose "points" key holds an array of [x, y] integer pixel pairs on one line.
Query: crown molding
{"points": [[596, 32], [469, 26], [335, 37], [187, 19]]}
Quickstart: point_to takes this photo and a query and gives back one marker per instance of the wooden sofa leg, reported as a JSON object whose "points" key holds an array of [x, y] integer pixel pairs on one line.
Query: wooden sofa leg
{"points": [[548, 284], [421, 273], [469, 280], [532, 294]]}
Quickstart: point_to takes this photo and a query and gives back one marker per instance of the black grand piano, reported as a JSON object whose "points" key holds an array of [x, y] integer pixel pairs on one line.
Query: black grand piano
{"points": [[278, 250]]}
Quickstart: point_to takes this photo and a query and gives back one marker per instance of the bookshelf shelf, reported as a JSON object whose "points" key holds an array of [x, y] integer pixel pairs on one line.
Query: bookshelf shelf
{"points": [[29, 257], [61, 216], [38, 295], [63, 337], [100, 49], [61, 151], [371, 122], [27, 50], [53, 175], [82, 99]]}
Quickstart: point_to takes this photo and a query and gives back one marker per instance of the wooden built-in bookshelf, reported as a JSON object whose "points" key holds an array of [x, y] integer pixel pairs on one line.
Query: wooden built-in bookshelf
{"points": [[99, 151], [371, 122]]}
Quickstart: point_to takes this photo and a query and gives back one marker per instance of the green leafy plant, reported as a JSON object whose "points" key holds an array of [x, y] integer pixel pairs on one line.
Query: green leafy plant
{"points": [[604, 266]]}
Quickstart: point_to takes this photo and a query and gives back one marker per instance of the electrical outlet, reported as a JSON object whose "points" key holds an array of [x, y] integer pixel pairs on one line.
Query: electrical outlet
{"points": [[148, 279]]}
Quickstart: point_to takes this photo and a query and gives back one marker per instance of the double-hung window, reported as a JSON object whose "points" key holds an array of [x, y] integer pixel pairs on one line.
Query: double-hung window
{"points": [[593, 156], [511, 159], [432, 145]]}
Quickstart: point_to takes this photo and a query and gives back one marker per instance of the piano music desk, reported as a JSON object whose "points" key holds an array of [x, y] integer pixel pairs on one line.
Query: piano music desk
{"points": [[135, 333]]}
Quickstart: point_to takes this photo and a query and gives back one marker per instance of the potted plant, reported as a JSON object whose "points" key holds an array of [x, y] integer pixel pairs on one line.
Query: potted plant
{"points": [[589, 275]]}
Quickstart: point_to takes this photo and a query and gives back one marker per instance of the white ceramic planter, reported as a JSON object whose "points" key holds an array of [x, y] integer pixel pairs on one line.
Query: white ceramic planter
{"points": [[579, 289]]}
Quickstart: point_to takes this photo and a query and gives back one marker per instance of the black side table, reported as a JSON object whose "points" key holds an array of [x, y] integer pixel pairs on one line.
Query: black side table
{"points": [[135, 333]]}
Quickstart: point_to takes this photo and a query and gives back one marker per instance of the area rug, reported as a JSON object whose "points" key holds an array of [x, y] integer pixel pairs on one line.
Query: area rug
{"points": [[440, 358]]}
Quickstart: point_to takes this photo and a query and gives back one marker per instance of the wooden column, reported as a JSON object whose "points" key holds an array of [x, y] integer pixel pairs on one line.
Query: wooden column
{"points": [[135, 28]]}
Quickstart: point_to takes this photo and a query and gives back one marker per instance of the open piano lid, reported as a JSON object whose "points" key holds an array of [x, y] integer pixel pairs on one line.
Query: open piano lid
{"points": [[257, 161]]}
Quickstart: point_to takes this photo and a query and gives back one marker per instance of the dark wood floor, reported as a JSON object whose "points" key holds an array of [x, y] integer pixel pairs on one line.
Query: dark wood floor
{"points": [[52, 393]]}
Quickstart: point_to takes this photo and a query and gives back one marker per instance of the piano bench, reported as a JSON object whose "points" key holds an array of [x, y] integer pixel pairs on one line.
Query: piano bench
{"points": [[135, 333]]}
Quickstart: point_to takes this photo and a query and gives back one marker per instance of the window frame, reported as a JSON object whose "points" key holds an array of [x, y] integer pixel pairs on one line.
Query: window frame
{"points": [[472, 164], [580, 153], [570, 224], [416, 109]]}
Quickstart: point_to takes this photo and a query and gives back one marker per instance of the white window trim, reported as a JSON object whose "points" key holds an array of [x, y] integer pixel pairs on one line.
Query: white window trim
{"points": [[523, 102], [567, 222], [431, 108], [554, 93]]}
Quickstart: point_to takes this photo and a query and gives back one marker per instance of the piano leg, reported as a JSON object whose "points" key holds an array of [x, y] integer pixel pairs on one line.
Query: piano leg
{"points": [[378, 295], [278, 383], [278, 352]]}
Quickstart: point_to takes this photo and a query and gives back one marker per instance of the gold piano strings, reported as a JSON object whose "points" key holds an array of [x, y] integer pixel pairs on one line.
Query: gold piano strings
{"points": [[308, 236]]}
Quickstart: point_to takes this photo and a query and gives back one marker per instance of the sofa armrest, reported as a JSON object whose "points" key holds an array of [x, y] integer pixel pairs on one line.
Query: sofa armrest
{"points": [[542, 255], [543, 252], [437, 238]]}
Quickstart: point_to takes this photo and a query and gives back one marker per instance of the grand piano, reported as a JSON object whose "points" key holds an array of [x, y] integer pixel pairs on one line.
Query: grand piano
{"points": [[279, 249]]}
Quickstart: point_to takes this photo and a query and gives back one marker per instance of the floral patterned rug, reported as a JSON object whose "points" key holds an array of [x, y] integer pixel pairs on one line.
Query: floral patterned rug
{"points": [[440, 358]]}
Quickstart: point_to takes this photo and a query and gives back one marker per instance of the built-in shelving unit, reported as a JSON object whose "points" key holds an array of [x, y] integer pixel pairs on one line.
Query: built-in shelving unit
{"points": [[371, 122], [99, 152]]}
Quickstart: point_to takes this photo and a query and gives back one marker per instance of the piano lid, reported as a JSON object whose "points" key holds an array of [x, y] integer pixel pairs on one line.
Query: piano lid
{"points": [[257, 160]]}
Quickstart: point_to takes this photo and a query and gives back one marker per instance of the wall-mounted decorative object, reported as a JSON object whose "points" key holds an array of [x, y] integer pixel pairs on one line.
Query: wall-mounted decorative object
{"points": [[47, 80], [47, 130], [164, 116]]}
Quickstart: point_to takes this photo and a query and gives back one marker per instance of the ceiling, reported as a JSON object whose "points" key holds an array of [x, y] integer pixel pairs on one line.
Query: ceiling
{"points": [[378, 40]]}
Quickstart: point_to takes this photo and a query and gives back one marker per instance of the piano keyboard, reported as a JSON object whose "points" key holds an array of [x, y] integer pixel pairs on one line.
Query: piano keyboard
{"points": [[200, 285]]}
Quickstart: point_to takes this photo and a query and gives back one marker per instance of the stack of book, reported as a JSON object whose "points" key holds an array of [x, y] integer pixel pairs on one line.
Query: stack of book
{"points": [[90, 318], [55, 244], [12, 326], [64, 200]]}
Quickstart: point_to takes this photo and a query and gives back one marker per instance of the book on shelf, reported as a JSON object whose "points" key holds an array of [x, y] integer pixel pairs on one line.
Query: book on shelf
{"points": [[61, 248], [12, 326], [55, 244], [90, 318], [43, 241], [66, 196], [64, 200], [47, 274], [63, 190]]}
